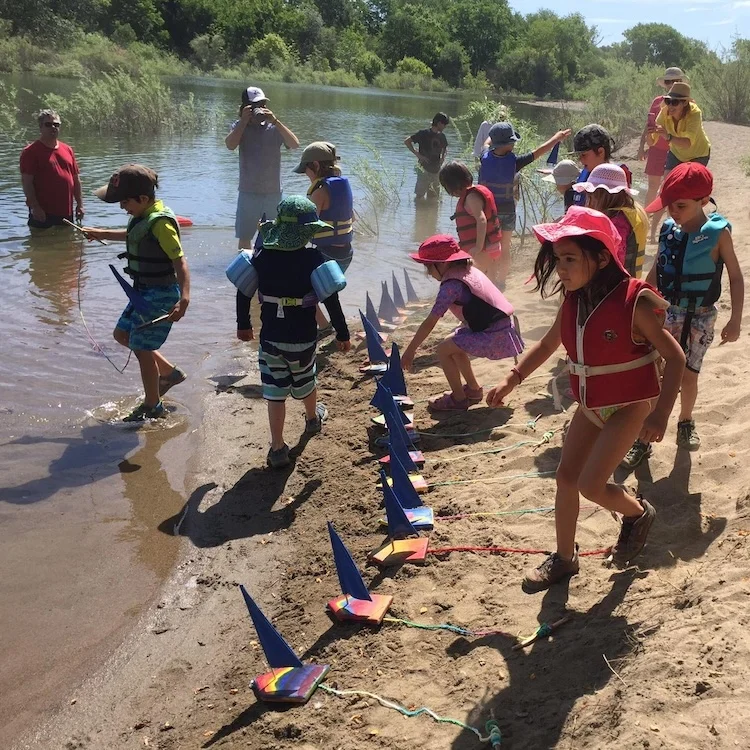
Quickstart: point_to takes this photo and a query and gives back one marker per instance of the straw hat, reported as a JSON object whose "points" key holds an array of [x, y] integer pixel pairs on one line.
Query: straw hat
{"points": [[672, 75], [679, 91]]}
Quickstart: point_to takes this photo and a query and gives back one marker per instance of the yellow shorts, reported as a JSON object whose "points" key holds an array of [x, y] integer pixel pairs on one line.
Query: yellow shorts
{"points": [[599, 416]]}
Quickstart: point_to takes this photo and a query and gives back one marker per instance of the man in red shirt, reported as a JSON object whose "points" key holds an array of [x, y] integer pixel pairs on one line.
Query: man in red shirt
{"points": [[49, 174]]}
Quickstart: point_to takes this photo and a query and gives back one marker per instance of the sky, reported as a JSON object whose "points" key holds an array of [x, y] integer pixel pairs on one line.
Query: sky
{"points": [[715, 22]]}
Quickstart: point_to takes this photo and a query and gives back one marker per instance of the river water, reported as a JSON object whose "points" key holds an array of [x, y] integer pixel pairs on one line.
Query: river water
{"points": [[81, 495]]}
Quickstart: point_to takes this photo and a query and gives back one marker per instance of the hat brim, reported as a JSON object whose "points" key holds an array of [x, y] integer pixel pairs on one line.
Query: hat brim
{"points": [[105, 195], [458, 255], [557, 231], [300, 168], [290, 236], [589, 187], [655, 205]]}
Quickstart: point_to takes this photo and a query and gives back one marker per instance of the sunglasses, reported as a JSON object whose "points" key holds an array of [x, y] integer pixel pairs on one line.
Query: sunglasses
{"points": [[52, 124], [670, 102]]}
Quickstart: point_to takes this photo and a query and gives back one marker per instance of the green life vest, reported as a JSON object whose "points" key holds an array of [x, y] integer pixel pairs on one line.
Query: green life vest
{"points": [[148, 264]]}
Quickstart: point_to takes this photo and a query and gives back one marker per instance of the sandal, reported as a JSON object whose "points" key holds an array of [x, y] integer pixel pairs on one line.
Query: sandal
{"points": [[474, 395], [446, 402]]}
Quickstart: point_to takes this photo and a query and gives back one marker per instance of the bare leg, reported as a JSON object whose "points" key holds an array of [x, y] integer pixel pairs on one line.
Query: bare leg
{"points": [[615, 439], [688, 394], [310, 403], [164, 365], [244, 243], [276, 419], [448, 352], [320, 317], [504, 263], [149, 376]]}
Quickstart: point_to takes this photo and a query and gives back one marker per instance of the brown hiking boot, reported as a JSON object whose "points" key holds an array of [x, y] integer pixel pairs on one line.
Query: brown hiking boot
{"points": [[633, 534], [553, 570]]}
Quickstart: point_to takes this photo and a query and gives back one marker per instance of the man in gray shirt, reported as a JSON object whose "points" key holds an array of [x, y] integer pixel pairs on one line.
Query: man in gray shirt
{"points": [[260, 135]]}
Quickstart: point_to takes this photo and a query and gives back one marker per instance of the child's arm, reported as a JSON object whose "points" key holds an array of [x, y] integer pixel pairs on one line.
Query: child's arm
{"points": [[475, 207], [183, 279], [561, 135], [651, 278], [652, 329], [424, 330], [731, 331], [338, 321], [114, 235], [534, 358], [244, 325]]}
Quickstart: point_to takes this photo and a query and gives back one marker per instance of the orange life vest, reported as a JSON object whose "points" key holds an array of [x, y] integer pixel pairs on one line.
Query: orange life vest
{"points": [[466, 224]]}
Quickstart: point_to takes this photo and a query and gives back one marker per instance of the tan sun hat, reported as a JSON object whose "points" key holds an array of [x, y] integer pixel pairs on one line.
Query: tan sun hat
{"points": [[679, 91], [673, 75], [317, 151]]}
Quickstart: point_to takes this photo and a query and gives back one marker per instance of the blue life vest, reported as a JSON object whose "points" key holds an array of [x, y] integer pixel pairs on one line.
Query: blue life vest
{"points": [[339, 214], [579, 199], [498, 173], [686, 274]]}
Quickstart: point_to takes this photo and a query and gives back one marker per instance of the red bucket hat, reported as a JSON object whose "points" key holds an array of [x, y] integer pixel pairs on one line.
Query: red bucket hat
{"points": [[579, 221], [691, 181], [440, 248]]}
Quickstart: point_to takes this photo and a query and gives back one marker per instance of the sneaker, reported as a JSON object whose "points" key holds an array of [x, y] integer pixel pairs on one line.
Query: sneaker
{"points": [[142, 412], [553, 570], [174, 378], [315, 425], [638, 452], [633, 533], [278, 459], [687, 437]]}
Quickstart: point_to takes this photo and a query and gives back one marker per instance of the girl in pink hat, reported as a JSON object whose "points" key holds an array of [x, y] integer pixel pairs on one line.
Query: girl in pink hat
{"points": [[611, 326], [488, 328]]}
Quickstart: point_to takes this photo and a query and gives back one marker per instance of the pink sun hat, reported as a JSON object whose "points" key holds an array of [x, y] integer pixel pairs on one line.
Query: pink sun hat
{"points": [[579, 221], [440, 248], [608, 176]]}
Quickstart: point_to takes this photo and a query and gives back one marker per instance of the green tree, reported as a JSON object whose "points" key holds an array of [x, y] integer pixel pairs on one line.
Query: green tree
{"points": [[660, 44], [413, 31], [269, 51], [411, 65], [303, 29], [209, 50], [452, 64]]}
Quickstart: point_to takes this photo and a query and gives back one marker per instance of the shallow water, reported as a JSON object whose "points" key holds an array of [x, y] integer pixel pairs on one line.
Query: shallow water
{"points": [[81, 496]]}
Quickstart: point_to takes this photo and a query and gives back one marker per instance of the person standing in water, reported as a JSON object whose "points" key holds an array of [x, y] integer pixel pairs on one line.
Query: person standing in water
{"points": [[433, 146], [49, 175]]}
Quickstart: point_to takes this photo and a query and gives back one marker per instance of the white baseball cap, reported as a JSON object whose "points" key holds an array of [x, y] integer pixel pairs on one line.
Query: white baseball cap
{"points": [[565, 173], [253, 94]]}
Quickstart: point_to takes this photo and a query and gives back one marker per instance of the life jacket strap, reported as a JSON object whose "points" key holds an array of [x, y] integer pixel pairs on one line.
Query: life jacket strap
{"points": [[588, 371]]}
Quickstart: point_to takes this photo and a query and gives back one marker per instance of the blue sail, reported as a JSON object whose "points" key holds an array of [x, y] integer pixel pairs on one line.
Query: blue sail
{"points": [[349, 576], [398, 298], [136, 299], [387, 310], [399, 525], [371, 315], [554, 155], [383, 401], [404, 490], [411, 295], [375, 351], [394, 377], [394, 422], [278, 652]]}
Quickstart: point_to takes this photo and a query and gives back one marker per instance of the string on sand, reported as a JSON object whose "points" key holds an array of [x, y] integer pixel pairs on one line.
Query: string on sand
{"points": [[405, 711], [546, 437], [531, 424], [94, 343], [519, 551], [447, 626], [506, 478], [519, 512]]}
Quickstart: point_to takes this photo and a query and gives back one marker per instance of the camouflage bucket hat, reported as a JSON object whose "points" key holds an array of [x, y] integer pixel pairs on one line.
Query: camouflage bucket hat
{"points": [[295, 225]]}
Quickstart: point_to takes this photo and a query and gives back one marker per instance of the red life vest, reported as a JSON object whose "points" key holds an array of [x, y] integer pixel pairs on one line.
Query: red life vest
{"points": [[466, 224], [607, 367], [487, 304]]}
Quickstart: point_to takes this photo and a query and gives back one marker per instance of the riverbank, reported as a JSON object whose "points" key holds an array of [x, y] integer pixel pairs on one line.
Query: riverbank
{"points": [[670, 630]]}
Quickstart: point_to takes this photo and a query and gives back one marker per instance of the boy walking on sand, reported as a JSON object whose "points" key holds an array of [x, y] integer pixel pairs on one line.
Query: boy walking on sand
{"points": [[692, 254], [289, 333], [160, 276]]}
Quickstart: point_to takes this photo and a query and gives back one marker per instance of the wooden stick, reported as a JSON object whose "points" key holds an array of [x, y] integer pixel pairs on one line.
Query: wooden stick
{"points": [[82, 231], [534, 638], [611, 669]]}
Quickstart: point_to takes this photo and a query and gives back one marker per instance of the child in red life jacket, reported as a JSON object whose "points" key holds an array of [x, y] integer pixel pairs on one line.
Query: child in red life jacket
{"points": [[476, 218], [488, 329], [607, 190], [612, 328]]}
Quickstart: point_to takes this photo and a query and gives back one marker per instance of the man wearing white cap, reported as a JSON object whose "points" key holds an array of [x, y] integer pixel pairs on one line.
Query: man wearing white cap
{"points": [[260, 135]]}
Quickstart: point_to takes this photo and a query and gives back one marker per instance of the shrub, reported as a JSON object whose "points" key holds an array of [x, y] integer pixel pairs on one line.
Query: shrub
{"points": [[722, 85], [412, 66], [270, 51], [123, 34], [209, 50], [368, 65], [452, 64], [410, 81]]}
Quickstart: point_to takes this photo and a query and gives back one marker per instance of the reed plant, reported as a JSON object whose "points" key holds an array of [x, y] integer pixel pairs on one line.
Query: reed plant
{"points": [[120, 103]]}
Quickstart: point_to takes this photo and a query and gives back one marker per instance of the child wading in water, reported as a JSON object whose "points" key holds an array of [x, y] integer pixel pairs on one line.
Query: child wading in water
{"points": [[288, 336], [160, 276], [611, 327], [477, 224], [497, 170], [607, 191], [693, 251], [488, 331]]}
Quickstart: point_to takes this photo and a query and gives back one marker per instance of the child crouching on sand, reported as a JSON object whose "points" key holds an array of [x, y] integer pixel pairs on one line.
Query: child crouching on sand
{"points": [[611, 326], [288, 334], [488, 329]]}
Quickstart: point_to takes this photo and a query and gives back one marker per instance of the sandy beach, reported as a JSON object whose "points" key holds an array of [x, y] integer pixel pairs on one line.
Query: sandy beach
{"points": [[650, 657]]}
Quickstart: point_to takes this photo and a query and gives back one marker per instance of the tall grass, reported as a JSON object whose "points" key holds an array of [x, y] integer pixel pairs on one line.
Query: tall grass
{"points": [[291, 72], [120, 103], [404, 81], [9, 127]]}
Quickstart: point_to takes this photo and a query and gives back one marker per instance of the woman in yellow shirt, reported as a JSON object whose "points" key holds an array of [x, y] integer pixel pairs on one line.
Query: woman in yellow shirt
{"points": [[681, 123]]}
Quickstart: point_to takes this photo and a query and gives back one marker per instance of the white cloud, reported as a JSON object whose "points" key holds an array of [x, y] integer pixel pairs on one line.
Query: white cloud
{"points": [[741, 4], [725, 22]]}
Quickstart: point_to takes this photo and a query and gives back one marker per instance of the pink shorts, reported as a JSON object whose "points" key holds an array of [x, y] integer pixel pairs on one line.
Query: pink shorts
{"points": [[656, 160]]}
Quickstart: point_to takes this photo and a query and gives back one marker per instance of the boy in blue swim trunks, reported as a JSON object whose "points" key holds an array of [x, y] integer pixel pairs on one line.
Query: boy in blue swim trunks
{"points": [[160, 276]]}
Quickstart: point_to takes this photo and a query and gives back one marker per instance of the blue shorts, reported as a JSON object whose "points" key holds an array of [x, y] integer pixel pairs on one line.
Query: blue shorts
{"points": [[287, 369], [341, 254], [160, 299], [507, 220], [250, 210]]}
